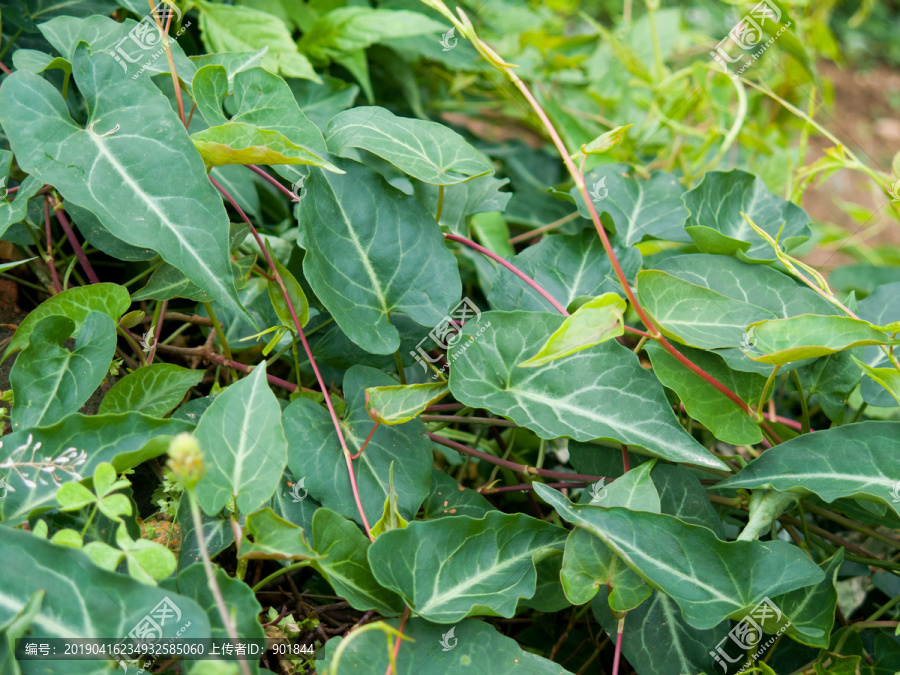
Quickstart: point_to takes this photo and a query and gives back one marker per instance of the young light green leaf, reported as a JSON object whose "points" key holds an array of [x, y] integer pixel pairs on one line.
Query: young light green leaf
{"points": [[428, 151], [357, 265], [855, 460], [689, 563], [391, 519], [48, 380], [146, 560], [717, 226], [781, 341], [399, 403], [75, 303], [444, 586], [595, 322], [600, 392], [242, 143], [245, 450], [123, 150], [274, 538], [889, 378], [153, 390]]}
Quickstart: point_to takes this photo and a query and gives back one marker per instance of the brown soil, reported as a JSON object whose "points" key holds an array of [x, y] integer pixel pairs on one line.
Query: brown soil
{"points": [[865, 116]]}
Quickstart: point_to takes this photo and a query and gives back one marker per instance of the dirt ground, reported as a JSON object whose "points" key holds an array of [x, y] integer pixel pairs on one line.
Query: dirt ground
{"points": [[865, 116]]}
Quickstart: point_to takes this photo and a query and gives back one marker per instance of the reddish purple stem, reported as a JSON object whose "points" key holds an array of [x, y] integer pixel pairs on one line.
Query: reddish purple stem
{"points": [[73, 241], [512, 268], [287, 193]]}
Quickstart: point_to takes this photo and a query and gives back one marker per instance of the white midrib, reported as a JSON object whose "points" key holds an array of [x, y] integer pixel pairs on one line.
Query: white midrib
{"points": [[41, 619], [437, 600], [148, 200], [887, 482], [367, 264]]}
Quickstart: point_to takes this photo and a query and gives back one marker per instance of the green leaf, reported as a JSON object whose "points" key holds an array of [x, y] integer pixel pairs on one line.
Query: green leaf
{"points": [[134, 51], [137, 139], [606, 142], [705, 403], [15, 628], [123, 440], [48, 380], [216, 531], [295, 293], [880, 308], [716, 225], [781, 341], [344, 563], [595, 322], [12, 212], [588, 563], [241, 143], [478, 195], [315, 452], [75, 303], [400, 403], [153, 390], [811, 609], [109, 604], [192, 582], [600, 392], [339, 554], [428, 151], [449, 498], [889, 378], [237, 28], [567, 267], [377, 256], [855, 460], [146, 560], [640, 208], [689, 563], [272, 537], [244, 446], [391, 518], [695, 315], [444, 586], [344, 30], [437, 651]]}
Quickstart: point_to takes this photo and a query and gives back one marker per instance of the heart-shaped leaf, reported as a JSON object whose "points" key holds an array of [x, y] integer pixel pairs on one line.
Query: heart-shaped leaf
{"points": [[599, 392], [153, 390], [132, 138], [444, 586], [244, 446]]}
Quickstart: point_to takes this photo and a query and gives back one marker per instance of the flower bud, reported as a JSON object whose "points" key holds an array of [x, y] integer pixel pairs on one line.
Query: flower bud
{"points": [[186, 460]]}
